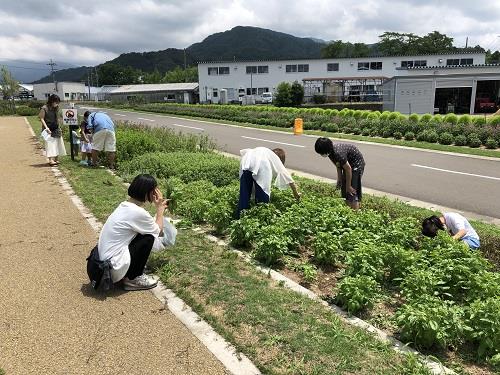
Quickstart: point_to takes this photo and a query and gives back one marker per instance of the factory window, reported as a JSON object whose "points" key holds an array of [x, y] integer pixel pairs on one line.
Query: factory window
{"points": [[251, 70], [420, 62], [332, 67], [224, 70], [376, 65], [291, 68], [263, 69], [363, 66], [303, 68], [453, 62], [466, 61], [213, 71]]}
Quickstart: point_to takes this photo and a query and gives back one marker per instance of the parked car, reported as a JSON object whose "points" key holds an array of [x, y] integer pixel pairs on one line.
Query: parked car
{"points": [[485, 104], [267, 98]]}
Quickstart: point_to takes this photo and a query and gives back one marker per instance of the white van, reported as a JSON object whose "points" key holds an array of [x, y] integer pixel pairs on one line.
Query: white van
{"points": [[267, 98]]}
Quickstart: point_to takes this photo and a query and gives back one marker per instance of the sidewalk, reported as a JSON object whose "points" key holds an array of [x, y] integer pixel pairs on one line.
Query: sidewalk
{"points": [[51, 322]]}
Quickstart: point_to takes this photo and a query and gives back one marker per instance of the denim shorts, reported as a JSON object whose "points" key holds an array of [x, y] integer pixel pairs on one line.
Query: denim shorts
{"points": [[472, 242]]}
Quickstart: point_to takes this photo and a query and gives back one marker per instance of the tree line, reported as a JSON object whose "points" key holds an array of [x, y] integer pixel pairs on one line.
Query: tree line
{"points": [[401, 44], [114, 74]]}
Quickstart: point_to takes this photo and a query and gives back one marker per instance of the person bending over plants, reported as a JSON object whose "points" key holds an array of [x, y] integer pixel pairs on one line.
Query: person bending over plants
{"points": [[350, 167], [257, 168], [457, 225]]}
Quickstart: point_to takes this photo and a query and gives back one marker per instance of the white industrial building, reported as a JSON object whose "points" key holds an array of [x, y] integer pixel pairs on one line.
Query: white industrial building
{"points": [[162, 92], [339, 79], [67, 91], [444, 89]]}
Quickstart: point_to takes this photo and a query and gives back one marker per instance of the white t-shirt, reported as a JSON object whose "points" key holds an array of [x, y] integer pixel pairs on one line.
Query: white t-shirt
{"points": [[126, 221], [456, 222], [264, 163]]}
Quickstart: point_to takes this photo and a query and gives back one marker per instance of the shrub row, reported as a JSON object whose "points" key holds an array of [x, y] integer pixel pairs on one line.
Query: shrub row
{"points": [[451, 129]]}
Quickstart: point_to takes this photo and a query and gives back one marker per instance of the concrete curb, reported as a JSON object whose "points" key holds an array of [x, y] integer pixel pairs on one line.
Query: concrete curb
{"points": [[236, 363], [398, 346]]}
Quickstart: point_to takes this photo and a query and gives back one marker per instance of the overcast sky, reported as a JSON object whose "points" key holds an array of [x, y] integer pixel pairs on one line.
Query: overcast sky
{"points": [[92, 31]]}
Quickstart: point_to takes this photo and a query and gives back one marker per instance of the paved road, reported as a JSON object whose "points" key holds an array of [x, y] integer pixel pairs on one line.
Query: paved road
{"points": [[464, 183]]}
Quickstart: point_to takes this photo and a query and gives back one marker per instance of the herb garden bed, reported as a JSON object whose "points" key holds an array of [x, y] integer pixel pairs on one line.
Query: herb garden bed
{"points": [[435, 294]]}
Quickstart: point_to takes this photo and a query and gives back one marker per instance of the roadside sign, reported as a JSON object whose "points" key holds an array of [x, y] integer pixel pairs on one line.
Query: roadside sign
{"points": [[70, 117]]}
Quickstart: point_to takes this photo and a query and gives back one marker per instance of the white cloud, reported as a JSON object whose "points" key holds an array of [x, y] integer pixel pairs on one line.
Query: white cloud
{"points": [[93, 31]]}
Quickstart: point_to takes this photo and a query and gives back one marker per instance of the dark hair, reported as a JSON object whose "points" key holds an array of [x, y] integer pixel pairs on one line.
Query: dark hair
{"points": [[53, 98], [323, 146], [281, 154], [86, 114], [431, 225], [141, 187]]}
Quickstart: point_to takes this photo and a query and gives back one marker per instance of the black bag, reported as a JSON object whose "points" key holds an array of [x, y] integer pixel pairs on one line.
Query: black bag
{"points": [[99, 271], [55, 130]]}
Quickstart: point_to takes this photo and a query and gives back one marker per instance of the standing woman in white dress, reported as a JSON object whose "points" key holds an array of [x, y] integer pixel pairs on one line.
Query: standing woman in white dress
{"points": [[49, 116]]}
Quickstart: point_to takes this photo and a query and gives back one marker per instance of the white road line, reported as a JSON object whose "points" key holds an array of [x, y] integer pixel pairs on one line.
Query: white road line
{"points": [[456, 172], [265, 140], [189, 127], [145, 119], [119, 114]]}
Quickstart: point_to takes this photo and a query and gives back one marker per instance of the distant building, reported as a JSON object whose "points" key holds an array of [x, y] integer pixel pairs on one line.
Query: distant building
{"points": [[161, 92], [338, 80], [67, 91], [445, 89]]}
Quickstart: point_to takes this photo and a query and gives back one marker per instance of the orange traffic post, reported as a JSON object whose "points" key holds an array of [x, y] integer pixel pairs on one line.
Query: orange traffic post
{"points": [[298, 126]]}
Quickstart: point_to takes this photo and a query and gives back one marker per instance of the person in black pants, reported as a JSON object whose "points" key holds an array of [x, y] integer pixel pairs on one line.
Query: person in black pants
{"points": [[350, 168], [128, 235]]}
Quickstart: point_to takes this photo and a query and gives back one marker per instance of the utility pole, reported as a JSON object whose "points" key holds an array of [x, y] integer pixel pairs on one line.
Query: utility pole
{"points": [[52, 64], [466, 42], [88, 81], [97, 82], [185, 74]]}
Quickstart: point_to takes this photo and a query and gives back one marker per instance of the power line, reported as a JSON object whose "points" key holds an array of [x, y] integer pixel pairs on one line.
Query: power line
{"points": [[24, 67]]}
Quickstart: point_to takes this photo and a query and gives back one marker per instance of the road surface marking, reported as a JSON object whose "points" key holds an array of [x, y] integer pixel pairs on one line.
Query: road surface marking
{"points": [[189, 127], [265, 140], [119, 114], [145, 119], [456, 172]]}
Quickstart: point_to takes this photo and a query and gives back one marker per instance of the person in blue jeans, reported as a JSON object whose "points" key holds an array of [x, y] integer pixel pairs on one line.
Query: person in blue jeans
{"points": [[457, 225], [258, 166]]}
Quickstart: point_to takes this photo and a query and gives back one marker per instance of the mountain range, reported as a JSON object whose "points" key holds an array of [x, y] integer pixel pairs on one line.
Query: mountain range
{"points": [[239, 43]]}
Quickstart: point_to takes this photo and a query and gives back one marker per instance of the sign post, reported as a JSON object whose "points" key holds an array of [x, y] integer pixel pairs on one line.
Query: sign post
{"points": [[70, 118]]}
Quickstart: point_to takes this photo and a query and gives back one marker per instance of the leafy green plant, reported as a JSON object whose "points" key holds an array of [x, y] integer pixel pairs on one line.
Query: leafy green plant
{"points": [[357, 293], [491, 143], [430, 321], [446, 139], [327, 249], [409, 136], [474, 140], [272, 245], [460, 140], [484, 319]]}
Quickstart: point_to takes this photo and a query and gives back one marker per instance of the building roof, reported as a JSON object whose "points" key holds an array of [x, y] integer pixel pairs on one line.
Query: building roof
{"points": [[346, 78], [340, 58], [155, 87], [454, 67]]}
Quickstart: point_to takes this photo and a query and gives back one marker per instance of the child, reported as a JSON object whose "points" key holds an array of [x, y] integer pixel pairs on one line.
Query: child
{"points": [[457, 225], [76, 141], [86, 145]]}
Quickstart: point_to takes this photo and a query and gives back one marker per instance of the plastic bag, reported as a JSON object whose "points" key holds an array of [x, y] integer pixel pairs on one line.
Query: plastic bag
{"points": [[45, 135], [168, 238], [169, 232]]}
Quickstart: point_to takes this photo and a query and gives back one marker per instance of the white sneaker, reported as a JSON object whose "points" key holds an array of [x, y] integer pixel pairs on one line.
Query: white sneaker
{"points": [[142, 282]]}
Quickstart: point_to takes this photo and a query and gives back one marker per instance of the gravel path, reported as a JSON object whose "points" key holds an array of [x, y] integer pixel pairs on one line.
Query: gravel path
{"points": [[51, 322]]}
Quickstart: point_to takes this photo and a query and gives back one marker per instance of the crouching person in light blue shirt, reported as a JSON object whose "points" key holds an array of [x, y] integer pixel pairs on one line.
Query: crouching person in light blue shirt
{"points": [[457, 225], [103, 138]]}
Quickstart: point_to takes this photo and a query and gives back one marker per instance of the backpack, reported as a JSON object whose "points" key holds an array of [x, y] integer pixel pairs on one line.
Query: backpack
{"points": [[99, 271]]}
